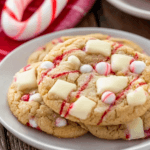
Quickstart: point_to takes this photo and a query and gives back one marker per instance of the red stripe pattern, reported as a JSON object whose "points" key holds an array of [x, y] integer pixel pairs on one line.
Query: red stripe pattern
{"points": [[20, 28], [117, 98], [63, 74], [10, 12], [84, 86], [39, 22], [54, 9]]}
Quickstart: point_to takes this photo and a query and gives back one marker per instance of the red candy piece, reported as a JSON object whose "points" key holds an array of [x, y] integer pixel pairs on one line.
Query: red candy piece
{"points": [[136, 56], [147, 132], [28, 124], [25, 97], [127, 136]]}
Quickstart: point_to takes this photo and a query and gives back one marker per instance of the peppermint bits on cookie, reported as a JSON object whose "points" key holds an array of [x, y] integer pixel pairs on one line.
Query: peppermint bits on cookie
{"points": [[103, 68], [137, 67], [33, 123], [28, 107], [35, 97], [25, 97], [60, 122], [91, 93], [108, 97]]}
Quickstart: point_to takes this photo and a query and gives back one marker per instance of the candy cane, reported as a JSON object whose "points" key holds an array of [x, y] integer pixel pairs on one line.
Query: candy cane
{"points": [[13, 11]]}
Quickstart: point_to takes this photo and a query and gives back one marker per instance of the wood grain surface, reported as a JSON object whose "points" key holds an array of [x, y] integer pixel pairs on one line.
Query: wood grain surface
{"points": [[101, 15]]}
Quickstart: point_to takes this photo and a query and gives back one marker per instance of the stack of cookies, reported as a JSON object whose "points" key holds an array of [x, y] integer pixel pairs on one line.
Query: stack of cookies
{"points": [[77, 84]]}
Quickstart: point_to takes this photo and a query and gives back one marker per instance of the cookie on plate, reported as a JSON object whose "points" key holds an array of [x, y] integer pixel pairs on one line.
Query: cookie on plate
{"points": [[41, 52], [27, 105], [95, 82], [136, 129]]}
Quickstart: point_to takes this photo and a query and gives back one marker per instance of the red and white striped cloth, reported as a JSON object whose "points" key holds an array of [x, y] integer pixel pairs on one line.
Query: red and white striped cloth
{"points": [[72, 11]]}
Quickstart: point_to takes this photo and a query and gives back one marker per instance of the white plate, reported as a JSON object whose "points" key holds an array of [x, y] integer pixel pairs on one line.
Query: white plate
{"points": [[17, 59], [138, 8]]}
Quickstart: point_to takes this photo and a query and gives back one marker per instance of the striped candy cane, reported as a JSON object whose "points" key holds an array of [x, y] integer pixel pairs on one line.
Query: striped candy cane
{"points": [[13, 11]]}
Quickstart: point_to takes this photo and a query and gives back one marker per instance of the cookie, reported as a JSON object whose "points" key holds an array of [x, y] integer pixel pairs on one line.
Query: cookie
{"points": [[136, 129], [83, 69], [41, 52], [28, 107]]}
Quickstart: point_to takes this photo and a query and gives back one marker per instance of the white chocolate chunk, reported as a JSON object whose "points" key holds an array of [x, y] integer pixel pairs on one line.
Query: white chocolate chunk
{"points": [[60, 122], [35, 97], [135, 128], [47, 65], [26, 80], [113, 83], [62, 88], [98, 47], [86, 68], [32, 123], [74, 60], [82, 107], [120, 62], [137, 97]]}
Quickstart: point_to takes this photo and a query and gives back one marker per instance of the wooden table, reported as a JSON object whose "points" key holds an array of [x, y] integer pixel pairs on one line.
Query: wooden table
{"points": [[102, 15]]}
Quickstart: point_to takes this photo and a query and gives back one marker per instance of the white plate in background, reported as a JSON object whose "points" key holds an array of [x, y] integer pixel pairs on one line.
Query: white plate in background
{"points": [[138, 8], [18, 58]]}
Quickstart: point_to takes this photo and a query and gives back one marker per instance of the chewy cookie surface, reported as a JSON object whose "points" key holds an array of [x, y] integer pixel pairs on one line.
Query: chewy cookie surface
{"points": [[41, 52], [27, 105], [136, 129], [95, 82]]}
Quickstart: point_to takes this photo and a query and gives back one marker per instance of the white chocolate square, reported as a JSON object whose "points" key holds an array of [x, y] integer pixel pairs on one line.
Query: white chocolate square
{"points": [[98, 47], [137, 97], [26, 80], [113, 83], [120, 62], [82, 107], [62, 88], [135, 128]]}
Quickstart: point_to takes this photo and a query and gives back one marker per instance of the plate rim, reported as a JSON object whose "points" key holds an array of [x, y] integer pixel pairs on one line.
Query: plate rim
{"points": [[129, 9], [25, 138]]}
